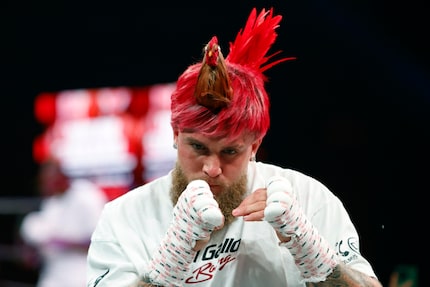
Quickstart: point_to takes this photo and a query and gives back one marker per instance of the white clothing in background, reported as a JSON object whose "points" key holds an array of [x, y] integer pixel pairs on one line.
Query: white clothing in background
{"points": [[62, 221]]}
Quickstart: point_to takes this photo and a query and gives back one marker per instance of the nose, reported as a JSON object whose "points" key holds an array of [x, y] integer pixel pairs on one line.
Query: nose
{"points": [[212, 166]]}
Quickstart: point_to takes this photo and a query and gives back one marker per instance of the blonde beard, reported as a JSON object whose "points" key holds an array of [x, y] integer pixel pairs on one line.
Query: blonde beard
{"points": [[228, 200]]}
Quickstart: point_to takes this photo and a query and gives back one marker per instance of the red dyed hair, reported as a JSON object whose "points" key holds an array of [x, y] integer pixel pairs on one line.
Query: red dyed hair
{"points": [[239, 79]]}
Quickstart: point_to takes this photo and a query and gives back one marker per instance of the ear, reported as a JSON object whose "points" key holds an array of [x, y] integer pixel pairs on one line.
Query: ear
{"points": [[175, 138]]}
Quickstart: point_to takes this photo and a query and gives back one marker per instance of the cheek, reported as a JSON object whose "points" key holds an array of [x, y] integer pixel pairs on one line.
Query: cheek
{"points": [[189, 161], [236, 169]]}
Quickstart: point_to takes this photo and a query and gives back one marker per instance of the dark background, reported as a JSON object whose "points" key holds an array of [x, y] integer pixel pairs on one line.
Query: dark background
{"points": [[352, 110]]}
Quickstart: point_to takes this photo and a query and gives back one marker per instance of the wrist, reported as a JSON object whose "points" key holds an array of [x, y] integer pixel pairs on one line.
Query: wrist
{"points": [[147, 282], [283, 239]]}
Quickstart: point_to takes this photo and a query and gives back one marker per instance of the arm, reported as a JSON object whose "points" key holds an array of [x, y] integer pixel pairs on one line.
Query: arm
{"points": [[195, 216], [118, 257], [343, 275], [315, 258], [143, 284]]}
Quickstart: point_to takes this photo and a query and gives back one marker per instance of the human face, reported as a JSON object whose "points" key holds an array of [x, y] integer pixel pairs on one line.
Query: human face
{"points": [[229, 199], [219, 161]]}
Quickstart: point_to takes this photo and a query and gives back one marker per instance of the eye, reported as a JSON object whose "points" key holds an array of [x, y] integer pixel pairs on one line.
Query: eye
{"points": [[229, 151], [197, 146]]}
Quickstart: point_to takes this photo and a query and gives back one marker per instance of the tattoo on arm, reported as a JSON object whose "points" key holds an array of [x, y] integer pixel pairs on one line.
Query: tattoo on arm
{"points": [[144, 284], [343, 276]]}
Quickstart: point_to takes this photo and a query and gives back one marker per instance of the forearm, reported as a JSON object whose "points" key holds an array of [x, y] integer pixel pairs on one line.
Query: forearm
{"points": [[344, 276], [315, 258], [143, 284], [195, 216]]}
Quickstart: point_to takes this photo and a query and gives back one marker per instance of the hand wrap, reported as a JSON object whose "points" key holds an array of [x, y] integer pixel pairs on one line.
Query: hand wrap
{"points": [[195, 216], [312, 254]]}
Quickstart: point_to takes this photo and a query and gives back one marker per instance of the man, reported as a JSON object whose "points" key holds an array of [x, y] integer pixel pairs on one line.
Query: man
{"points": [[60, 231], [220, 218]]}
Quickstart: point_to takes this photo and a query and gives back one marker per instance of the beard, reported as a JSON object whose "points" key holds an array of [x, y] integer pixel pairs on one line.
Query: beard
{"points": [[227, 200]]}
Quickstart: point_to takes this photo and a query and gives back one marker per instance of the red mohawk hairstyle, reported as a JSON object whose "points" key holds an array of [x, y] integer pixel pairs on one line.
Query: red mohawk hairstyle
{"points": [[253, 42], [226, 97]]}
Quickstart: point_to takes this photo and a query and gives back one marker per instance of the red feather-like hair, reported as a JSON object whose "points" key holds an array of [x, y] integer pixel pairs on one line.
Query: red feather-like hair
{"points": [[226, 97], [253, 42]]}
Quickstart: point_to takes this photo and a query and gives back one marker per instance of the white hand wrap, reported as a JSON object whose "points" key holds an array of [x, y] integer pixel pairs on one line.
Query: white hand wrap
{"points": [[195, 216], [313, 255]]}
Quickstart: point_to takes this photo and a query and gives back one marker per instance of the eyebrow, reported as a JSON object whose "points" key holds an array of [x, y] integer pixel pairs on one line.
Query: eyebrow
{"points": [[233, 146]]}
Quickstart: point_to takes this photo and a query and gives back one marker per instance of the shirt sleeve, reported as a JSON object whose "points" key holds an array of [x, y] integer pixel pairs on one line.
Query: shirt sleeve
{"points": [[127, 234], [334, 224], [107, 263]]}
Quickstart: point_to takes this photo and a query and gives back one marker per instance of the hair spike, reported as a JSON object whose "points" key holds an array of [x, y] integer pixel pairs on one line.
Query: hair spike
{"points": [[227, 97], [252, 42]]}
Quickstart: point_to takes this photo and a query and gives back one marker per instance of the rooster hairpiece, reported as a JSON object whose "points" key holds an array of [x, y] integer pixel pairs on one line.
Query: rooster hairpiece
{"points": [[249, 50]]}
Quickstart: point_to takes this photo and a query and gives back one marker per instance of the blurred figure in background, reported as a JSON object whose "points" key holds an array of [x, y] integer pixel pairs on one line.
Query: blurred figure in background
{"points": [[60, 230]]}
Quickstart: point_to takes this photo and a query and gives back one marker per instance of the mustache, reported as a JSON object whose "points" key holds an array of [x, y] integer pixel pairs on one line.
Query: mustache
{"points": [[210, 181]]}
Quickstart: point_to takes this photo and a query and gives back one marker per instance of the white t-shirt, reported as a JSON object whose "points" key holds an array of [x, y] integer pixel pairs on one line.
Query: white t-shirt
{"points": [[70, 217], [243, 254]]}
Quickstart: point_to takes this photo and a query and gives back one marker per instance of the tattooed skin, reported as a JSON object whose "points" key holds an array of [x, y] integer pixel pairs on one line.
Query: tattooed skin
{"points": [[144, 284], [343, 276]]}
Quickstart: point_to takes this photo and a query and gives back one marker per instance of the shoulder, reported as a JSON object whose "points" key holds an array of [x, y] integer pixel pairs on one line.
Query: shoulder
{"points": [[141, 206], [144, 196]]}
